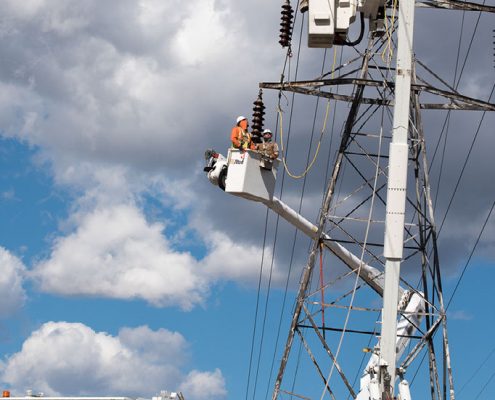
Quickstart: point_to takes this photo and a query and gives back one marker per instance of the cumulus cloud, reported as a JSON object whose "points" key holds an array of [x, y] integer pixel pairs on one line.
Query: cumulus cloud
{"points": [[62, 358], [120, 99], [116, 253], [117, 100], [204, 385], [11, 280], [204, 27], [234, 260], [460, 315], [126, 82], [110, 247], [104, 89]]}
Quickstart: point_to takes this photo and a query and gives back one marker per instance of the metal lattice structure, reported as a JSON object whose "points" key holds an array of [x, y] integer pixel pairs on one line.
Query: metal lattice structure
{"points": [[353, 214]]}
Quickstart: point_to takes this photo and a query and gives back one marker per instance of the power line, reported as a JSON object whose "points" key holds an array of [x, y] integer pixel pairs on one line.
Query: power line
{"points": [[462, 170], [257, 305], [288, 56], [484, 386], [470, 45], [465, 163], [266, 306], [470, 255], [459, 281], [447, 118], [476, 372], [456, 85]]}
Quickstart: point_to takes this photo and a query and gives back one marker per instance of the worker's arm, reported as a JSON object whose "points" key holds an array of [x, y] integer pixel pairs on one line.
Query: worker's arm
{"points": [[275, 150]]}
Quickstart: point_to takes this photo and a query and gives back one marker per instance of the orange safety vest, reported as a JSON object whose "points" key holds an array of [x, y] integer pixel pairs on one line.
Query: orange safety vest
{"points": [[241, 139]]}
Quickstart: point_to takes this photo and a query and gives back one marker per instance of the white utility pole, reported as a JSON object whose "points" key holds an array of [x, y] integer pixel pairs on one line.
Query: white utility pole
{"points": [[396, 195]]}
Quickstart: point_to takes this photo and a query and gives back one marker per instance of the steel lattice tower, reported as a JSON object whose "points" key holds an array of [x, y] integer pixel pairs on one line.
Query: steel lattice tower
{"points": [[353, 213]]}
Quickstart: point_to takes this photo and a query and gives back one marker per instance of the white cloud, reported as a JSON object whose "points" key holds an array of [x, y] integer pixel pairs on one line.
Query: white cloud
{"points": [[235, 260], [197, 40], [109, 100], [62, 358], [155, 346], [118, 103], [115, 252], [460, 315], [9, 195], [26, 9], [12, 272], [84, 86], [204, 385]]}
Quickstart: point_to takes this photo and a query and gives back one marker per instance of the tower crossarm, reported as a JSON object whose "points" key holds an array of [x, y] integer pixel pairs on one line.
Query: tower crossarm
{"points": [[313, 87], [455, 5]]}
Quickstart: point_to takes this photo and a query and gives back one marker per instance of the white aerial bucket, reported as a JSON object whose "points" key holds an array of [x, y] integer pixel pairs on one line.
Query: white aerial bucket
{"points": [[250, 175]]}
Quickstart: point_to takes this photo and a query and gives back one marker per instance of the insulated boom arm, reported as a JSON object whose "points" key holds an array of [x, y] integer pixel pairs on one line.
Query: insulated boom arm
{"points": [[372, 276], [250, 178]]}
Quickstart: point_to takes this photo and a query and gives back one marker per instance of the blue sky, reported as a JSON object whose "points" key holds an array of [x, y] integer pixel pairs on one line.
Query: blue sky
{"points": [[124, 272]]}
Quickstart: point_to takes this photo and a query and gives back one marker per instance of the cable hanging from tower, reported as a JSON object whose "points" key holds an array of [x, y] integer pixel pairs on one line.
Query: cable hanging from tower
{"points": [[323, 130], [388, 51]]}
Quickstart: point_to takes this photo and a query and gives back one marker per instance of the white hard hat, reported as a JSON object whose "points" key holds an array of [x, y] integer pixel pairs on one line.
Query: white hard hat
{"points": [[267, 131], [240, 118]]}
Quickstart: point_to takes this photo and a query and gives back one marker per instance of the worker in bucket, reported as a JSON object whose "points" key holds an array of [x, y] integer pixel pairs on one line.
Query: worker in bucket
{"points": [[268, 148], [241, 138]]}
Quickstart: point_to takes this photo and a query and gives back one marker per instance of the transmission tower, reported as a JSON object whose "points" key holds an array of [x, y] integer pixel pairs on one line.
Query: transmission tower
{"points": [[325, 333]]}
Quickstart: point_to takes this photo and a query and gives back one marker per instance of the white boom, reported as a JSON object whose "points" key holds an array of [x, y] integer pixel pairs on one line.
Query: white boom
{"points": [[249, 178]]}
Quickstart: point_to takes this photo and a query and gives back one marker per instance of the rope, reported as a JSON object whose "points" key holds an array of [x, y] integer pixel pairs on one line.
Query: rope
{"points": [[323, 129], [279, 110], [388, 51]]}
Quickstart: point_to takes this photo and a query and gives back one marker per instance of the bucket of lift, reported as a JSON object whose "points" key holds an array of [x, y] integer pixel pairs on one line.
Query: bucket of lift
{"points": [[251, 175]]}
